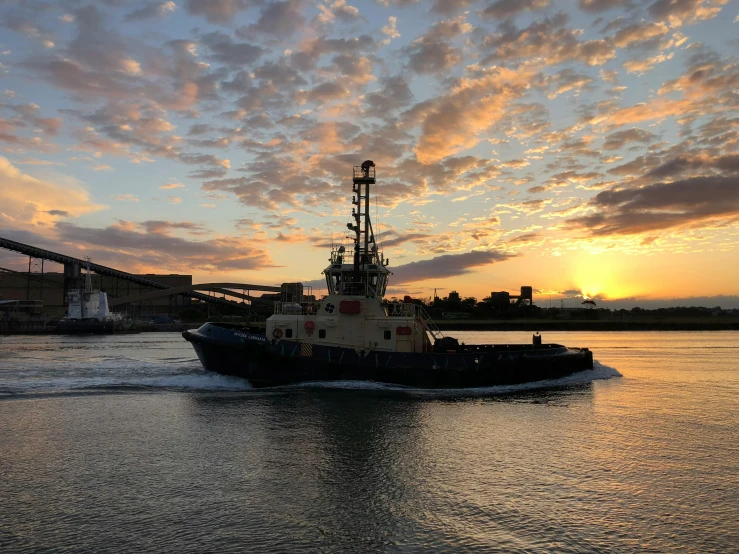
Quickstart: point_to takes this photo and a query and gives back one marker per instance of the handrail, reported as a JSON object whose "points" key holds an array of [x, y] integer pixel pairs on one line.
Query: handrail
{"points": [[430, 325], [295, 308]]}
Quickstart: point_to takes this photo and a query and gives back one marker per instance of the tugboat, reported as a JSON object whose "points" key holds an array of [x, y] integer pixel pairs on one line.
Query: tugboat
{"points": [[88, 312], [354, 334]]}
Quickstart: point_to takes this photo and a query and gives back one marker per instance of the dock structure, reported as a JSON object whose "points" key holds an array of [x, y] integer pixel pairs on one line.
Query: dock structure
{"points": [[37, 285]]}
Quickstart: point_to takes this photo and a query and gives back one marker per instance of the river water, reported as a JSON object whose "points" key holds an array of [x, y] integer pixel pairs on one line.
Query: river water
{"points": [[122, 443]]}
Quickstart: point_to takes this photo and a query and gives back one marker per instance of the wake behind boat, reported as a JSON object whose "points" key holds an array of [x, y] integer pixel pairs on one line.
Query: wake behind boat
{"points": [[354, 334]]}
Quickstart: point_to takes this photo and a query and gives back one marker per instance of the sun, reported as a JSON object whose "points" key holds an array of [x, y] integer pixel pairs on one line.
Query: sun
{"points": [[601, 277]]}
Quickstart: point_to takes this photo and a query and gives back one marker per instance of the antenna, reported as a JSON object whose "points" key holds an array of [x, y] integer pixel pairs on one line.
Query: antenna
{"points": [[88, 277]]}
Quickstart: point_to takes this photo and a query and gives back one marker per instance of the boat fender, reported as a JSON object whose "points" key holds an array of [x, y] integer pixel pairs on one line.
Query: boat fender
{"points": [[309, 325], [277, 333]]}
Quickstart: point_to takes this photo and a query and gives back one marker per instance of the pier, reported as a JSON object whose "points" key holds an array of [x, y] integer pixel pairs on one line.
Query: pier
{"points": [[38, 294]]}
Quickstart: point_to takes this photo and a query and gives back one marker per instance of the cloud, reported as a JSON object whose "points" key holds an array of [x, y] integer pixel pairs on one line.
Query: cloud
{"points": [[526, 206], [205, 159], [279, 19], [695, 202], [524, 239], [216, 11], [458, 113], [549, 39], [393, 95], [126, 197], [686, 162], [447, 265], [390, 239], [123, 245], [641, 66], [449, 7], [635, 35], [619, 139], [340, 10], [26, 200], [390, 30], [27, 120], [565, 81], [677, 12], [321, 94], [164, 227], [502, 9], [224, 50], [151, 10], [601, 5], [430, 54], [453, 121]]}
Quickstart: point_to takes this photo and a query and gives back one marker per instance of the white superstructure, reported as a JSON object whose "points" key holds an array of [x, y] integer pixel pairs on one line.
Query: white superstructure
{"points": [[88, 304], [354, 314]]}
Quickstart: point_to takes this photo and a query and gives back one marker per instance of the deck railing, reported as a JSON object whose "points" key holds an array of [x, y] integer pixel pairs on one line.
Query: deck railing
{"points": [[414, 310], [359, 172], [392, 309], [295, 308], [398, 309]]}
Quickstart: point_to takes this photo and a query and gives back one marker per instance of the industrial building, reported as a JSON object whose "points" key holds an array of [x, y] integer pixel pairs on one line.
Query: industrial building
{"points": [[49, 289], [503, 300]]}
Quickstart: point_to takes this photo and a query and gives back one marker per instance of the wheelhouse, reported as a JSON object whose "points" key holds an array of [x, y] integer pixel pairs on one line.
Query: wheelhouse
{"points": [[368, 280]]}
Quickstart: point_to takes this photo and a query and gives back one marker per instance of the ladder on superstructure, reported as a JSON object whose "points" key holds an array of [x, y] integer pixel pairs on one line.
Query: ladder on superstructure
{"points": [[429, 324]]}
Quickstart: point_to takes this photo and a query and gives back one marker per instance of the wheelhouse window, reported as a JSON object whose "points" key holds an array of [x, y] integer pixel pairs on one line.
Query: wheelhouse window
{"points": [[342, 279], [288, 333], [388, 335], [322, 333]]}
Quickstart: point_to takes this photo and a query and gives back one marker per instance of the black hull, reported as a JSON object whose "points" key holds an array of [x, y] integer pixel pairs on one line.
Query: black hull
{"points": [[231, 351]]}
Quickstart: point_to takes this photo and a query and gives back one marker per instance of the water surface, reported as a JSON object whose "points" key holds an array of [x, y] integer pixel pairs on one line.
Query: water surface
{"points": [[124, 443]]}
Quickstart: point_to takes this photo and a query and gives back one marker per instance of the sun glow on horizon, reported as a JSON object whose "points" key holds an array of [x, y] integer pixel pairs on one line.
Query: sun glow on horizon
{"points": [[596, 277]]}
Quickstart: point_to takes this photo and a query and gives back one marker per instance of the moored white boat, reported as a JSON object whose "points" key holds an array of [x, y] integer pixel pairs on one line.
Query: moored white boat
{"points": [[88, 312]]}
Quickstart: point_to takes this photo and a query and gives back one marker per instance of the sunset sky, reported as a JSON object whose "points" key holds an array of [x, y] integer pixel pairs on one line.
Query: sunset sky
{"points": [[585, 148]]}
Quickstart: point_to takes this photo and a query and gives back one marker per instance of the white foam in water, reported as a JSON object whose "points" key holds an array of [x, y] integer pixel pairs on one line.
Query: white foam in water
{"points": [[206, 381], [198, 381], [192, 381]]}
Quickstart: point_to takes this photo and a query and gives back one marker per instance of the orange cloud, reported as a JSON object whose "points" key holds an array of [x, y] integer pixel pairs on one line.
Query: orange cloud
{"points": [[472, 106], [25, 200]]}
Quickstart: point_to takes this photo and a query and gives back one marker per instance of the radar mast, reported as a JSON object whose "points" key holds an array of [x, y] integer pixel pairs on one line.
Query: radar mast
{"points": [[365, 247], [366, 274]]}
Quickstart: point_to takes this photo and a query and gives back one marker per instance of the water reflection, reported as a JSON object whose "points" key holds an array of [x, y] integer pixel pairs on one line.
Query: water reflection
{"points": [[644, 463], [331, 464], [368, 470]]}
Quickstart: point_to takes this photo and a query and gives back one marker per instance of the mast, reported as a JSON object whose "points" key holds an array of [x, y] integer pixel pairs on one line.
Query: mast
{"points": [[88, 277], [84, 298], [367, 275], [363, 177]]}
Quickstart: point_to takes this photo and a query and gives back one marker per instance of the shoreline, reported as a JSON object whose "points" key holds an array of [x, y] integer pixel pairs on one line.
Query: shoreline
{"points": [[539, 325], [481, 325]]}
